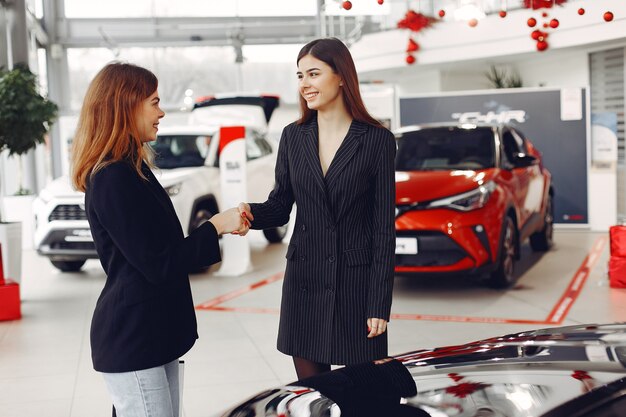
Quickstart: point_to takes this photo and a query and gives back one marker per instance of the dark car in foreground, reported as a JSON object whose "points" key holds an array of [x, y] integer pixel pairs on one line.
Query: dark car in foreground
{"points": [[575, 371], [467, 196]]}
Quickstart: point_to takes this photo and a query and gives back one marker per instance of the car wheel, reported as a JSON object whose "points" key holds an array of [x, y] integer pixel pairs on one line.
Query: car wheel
{"points": [[277, 234], [503, 276], [541, 241], [68, 266], [202, 216]]}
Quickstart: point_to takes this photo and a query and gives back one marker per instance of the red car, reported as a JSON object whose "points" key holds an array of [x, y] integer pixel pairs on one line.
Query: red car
{"points": [[467, 196]]}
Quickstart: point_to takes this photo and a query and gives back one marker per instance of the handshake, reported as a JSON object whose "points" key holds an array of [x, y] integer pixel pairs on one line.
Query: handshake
{"points": [[235, 220]]}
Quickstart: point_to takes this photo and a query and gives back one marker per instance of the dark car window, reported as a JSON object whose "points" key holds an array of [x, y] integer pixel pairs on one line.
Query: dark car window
{"points": [[179, 151], [257, 146], [521, 141], [511, 145], [446, 148]]}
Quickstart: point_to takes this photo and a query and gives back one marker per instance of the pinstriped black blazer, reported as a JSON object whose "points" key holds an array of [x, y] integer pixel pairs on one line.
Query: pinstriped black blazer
{"points": [[340, 259]]}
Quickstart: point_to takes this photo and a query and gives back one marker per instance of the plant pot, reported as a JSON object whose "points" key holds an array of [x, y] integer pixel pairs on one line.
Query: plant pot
{"points": [[19, 208], [11, 241]]}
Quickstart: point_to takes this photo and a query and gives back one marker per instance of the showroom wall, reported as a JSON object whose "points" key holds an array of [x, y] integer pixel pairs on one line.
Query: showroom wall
{"points": [[548, 70]]}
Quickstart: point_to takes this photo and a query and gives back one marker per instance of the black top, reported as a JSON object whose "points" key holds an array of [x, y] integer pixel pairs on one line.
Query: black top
{"points": [[145, 315]]}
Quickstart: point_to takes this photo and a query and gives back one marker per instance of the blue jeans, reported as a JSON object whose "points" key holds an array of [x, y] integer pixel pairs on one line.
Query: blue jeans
{"points": [[147, 393]]}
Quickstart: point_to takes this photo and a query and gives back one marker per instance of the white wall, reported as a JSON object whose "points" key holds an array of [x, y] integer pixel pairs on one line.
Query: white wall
{"points": [[460, 80], [568, 69], [494, 38]]}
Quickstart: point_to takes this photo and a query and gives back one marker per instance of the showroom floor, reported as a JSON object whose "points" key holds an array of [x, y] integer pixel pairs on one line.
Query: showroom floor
{"points": [[45, 367]]}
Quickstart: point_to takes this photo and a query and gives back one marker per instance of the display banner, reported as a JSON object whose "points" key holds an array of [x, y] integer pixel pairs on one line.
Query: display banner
{"points": [[554, 120], [232, 162]]}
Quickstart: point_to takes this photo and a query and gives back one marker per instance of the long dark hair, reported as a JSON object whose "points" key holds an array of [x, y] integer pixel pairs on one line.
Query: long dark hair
{"points": [[336, 55]]}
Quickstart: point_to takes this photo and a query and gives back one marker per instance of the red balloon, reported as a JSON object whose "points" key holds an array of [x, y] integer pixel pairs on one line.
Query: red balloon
{"points": [[581, 11], [381, 1], [472, 22], [535, 34], [554, 23], [531, 22], [502, 13], [544, 14], [608, 16], [410, 59], [346, 5], [545, 25], [441, 13], [542, 45]]}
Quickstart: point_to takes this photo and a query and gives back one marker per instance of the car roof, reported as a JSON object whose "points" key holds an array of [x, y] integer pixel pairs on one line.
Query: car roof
{"points": [[266, 102]]}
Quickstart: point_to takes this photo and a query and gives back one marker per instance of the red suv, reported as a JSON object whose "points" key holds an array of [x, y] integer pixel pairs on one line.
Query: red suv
{"points": [[467, 196]]}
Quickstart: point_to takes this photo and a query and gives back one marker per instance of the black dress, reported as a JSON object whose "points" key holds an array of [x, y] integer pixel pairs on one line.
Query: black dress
{"points": [[340, 261]]}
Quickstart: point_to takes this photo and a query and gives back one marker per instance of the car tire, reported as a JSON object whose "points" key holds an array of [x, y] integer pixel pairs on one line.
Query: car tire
{"points": [[69, 266], [276, 234], [200, 217], [504, 276], [542, 241]]}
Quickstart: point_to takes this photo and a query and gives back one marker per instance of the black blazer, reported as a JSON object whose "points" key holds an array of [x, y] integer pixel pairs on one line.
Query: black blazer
{"points": [[145, 315], [340, 261]]}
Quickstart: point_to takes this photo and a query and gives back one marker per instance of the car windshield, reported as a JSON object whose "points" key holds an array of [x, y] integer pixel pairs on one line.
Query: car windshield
{"points": [[179, 151], [446, 148]]}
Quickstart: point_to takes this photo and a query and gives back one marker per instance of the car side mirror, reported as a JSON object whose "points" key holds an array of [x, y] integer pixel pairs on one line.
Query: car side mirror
{"points": [[522, 160]]}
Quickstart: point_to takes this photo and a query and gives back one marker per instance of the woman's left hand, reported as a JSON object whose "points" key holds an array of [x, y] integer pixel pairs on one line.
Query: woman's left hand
{"points": [[376, 327]]}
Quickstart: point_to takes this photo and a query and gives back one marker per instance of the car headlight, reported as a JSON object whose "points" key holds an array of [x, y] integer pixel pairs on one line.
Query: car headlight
{"points": [[467, 201], [173, 189]]}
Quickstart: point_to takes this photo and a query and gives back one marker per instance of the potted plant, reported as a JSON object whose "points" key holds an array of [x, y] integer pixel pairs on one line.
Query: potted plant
{"points": [[25, 118]]}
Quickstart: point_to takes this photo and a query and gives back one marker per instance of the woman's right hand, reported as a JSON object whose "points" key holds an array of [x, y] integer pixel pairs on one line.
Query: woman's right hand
{"points": [[229, 221], [244, 210]]}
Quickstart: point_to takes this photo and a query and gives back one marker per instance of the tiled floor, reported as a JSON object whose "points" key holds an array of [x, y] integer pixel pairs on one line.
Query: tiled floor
{"points": [[45, 367]]}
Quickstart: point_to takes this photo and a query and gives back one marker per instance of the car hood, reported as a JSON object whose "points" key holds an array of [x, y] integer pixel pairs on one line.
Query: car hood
{"points": [[60, 188], [422, 186], [517, 375]]}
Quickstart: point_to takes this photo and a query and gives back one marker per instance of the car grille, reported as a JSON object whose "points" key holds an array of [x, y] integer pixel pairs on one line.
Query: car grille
{"points": [[434, 249], [68, 212], [73, 245]]}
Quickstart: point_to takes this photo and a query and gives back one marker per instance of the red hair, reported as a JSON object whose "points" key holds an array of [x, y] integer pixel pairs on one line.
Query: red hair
{"points": [[107, 128], [336, 55]]}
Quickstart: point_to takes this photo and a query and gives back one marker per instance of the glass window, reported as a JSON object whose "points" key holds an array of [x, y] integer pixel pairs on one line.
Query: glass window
{"points": [[195, 8], [203, 70], [520, 139], [446, 149], [178, 151], [511, 145], [257, 146]]}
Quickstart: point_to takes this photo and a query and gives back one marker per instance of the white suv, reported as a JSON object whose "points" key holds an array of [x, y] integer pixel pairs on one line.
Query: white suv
{"points": [[188, 168]]}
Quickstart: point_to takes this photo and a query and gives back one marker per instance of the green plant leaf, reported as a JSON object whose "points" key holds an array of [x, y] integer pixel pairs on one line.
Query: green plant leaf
{"points": [[25, 115]]}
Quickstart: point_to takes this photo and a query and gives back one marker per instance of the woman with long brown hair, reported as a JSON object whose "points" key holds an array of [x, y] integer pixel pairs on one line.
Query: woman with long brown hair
{"points": [[337, 164], [144, 319]]}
